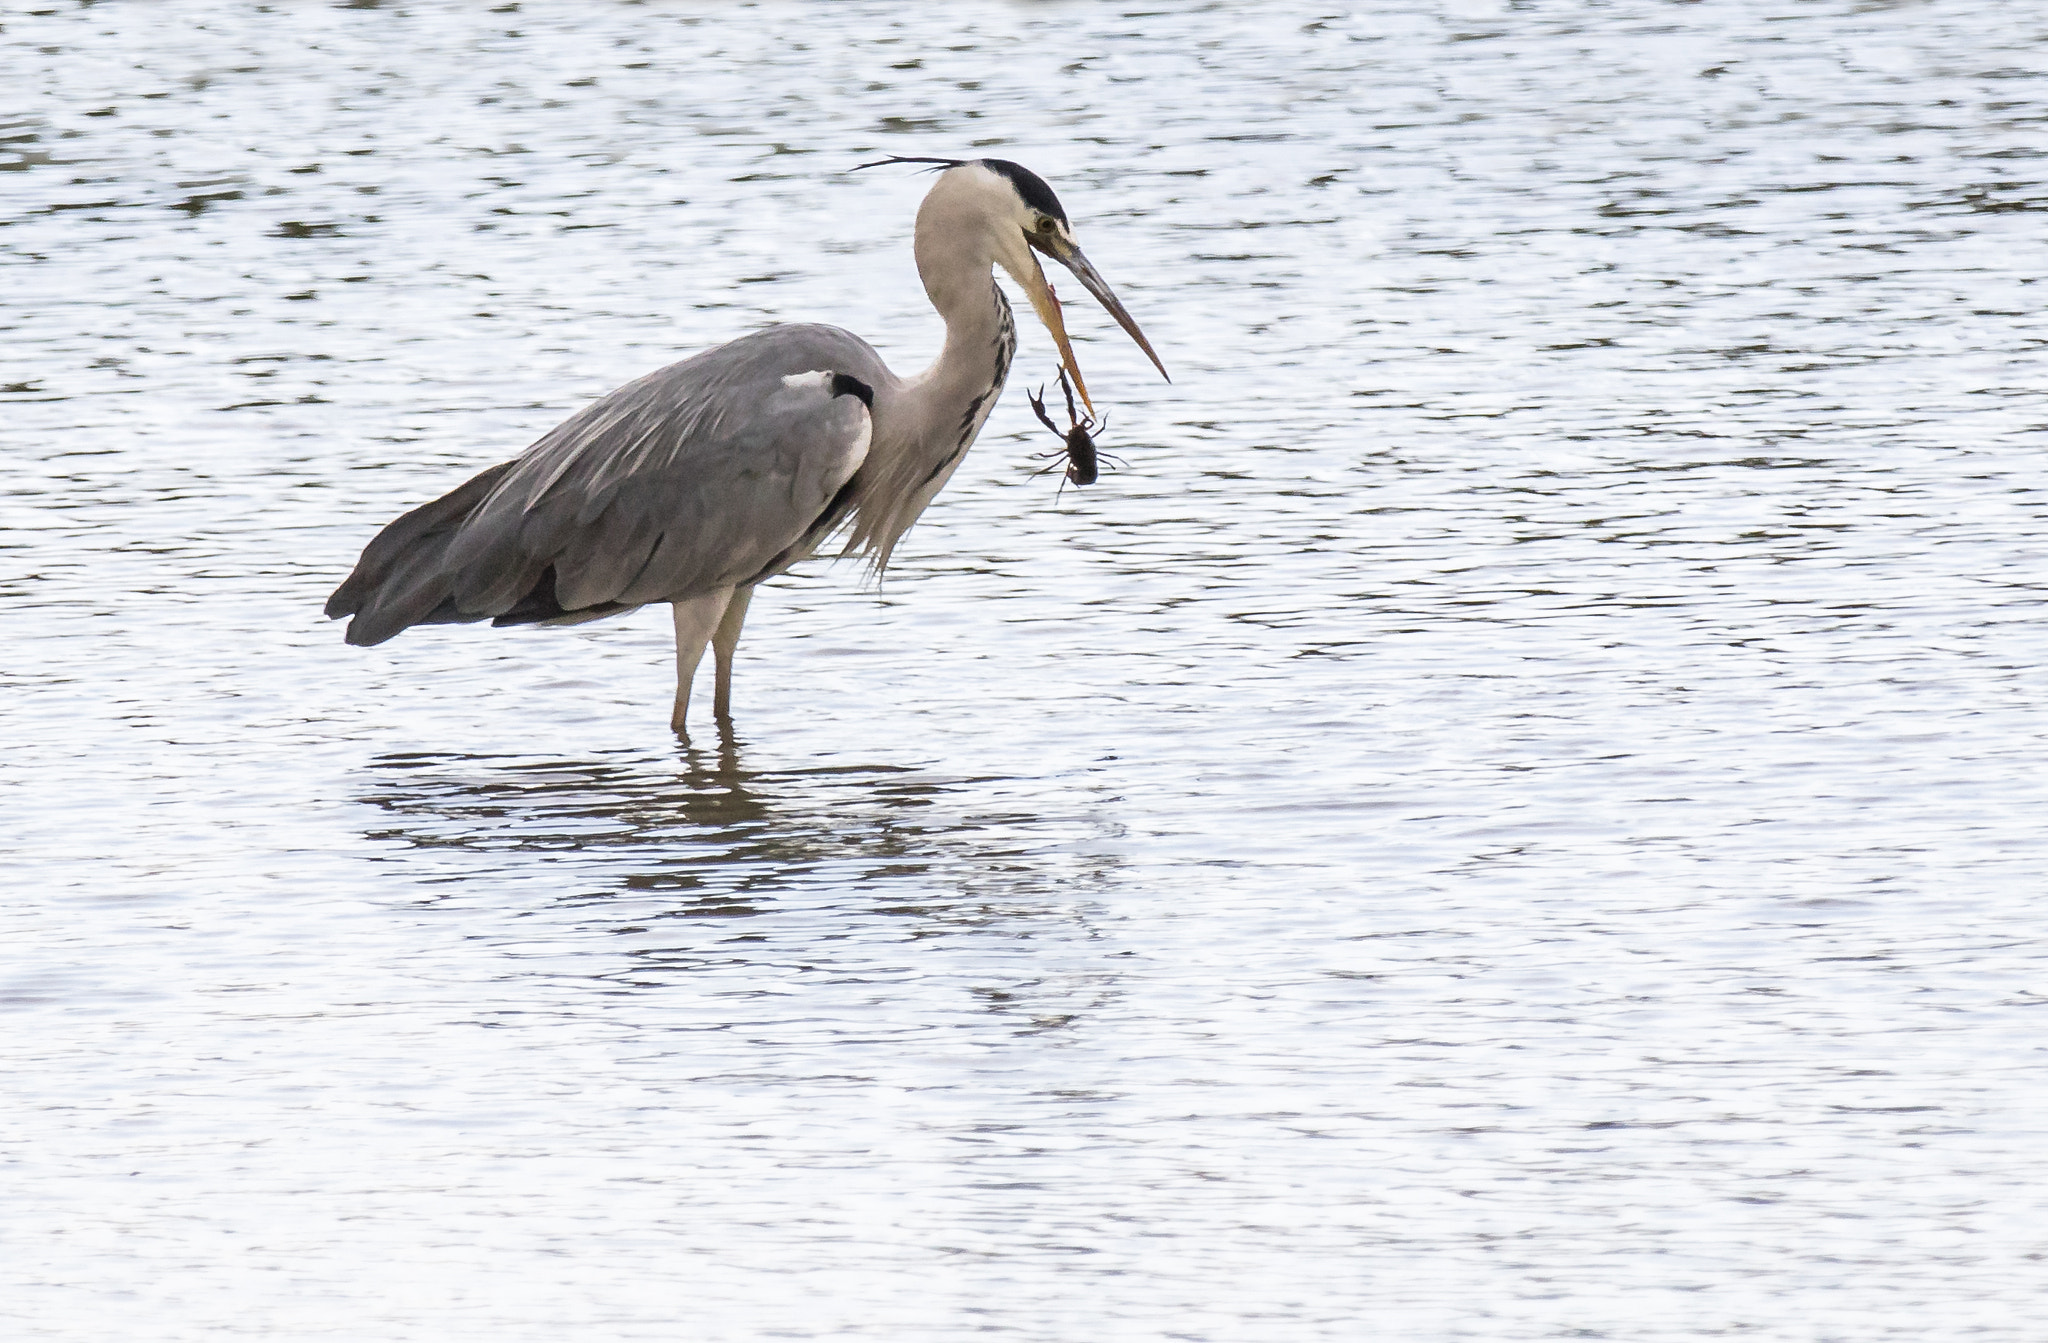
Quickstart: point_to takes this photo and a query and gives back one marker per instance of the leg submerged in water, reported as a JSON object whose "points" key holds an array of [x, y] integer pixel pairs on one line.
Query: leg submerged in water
{"points": [[722, 645], [697, 620]]}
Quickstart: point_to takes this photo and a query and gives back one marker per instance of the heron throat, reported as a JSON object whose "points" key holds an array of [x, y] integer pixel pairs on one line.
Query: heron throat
{"points": [[923, 432]]}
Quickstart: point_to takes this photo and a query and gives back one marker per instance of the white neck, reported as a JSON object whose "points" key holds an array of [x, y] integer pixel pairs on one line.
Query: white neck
{"points": [[958, 275], [926, 427]]}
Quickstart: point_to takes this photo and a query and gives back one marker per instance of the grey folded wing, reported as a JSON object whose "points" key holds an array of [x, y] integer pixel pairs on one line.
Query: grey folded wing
{"points": [[708, 473]]}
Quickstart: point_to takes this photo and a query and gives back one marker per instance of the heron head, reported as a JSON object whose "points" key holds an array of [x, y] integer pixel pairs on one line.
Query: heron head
{"points": [[1026, 217]]}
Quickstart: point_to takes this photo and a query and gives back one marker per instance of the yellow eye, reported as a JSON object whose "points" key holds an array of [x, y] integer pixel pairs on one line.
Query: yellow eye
{"points": [[1045, 224]]}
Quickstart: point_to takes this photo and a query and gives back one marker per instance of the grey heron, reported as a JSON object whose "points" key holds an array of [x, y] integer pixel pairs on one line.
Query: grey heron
{"points": [[696, 482]]}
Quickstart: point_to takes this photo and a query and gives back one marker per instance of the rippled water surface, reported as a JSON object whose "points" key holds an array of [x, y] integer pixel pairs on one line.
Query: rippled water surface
{"points": [[1519, 814]]}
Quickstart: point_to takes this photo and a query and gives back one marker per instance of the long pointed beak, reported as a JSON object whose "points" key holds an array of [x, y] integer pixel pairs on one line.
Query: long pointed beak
{"points": [[1062, 250]]}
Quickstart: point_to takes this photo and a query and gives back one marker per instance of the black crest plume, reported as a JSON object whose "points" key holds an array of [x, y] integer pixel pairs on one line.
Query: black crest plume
{"points": [[899, 158], [1029, 185]]}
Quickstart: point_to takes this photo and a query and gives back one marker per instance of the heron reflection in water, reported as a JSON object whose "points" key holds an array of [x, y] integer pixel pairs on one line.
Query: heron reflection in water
{"points": [[698, 481]]}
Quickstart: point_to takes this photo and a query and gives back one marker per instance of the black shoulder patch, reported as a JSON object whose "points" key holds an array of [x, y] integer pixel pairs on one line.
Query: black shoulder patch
{"points": [[1030, 186], [845, 384]]}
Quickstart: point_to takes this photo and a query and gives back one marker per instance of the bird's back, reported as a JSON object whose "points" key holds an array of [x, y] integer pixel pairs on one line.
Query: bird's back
{"points": [[700, 475]]}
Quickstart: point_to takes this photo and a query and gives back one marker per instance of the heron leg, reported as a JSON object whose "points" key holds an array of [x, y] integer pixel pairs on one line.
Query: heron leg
{"points": [[697, 619], [722, 645]]}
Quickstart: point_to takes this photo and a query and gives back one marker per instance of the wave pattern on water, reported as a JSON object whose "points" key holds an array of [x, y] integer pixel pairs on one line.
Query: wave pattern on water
{"points": [[1516, 817]]}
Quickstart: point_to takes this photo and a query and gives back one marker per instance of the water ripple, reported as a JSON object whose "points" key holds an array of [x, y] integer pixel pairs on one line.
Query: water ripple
{"points": [[1514, 816]]}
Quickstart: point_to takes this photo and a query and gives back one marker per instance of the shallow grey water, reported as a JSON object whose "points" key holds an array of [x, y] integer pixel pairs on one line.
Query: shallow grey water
{"points": [[1517, 816]]}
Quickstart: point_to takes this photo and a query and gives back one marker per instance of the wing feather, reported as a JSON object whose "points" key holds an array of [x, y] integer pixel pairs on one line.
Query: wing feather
{"points": [[701, 475]]}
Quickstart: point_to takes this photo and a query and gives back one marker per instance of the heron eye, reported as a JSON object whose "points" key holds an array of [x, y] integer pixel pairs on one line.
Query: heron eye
{"points": [[1045, 224]]}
